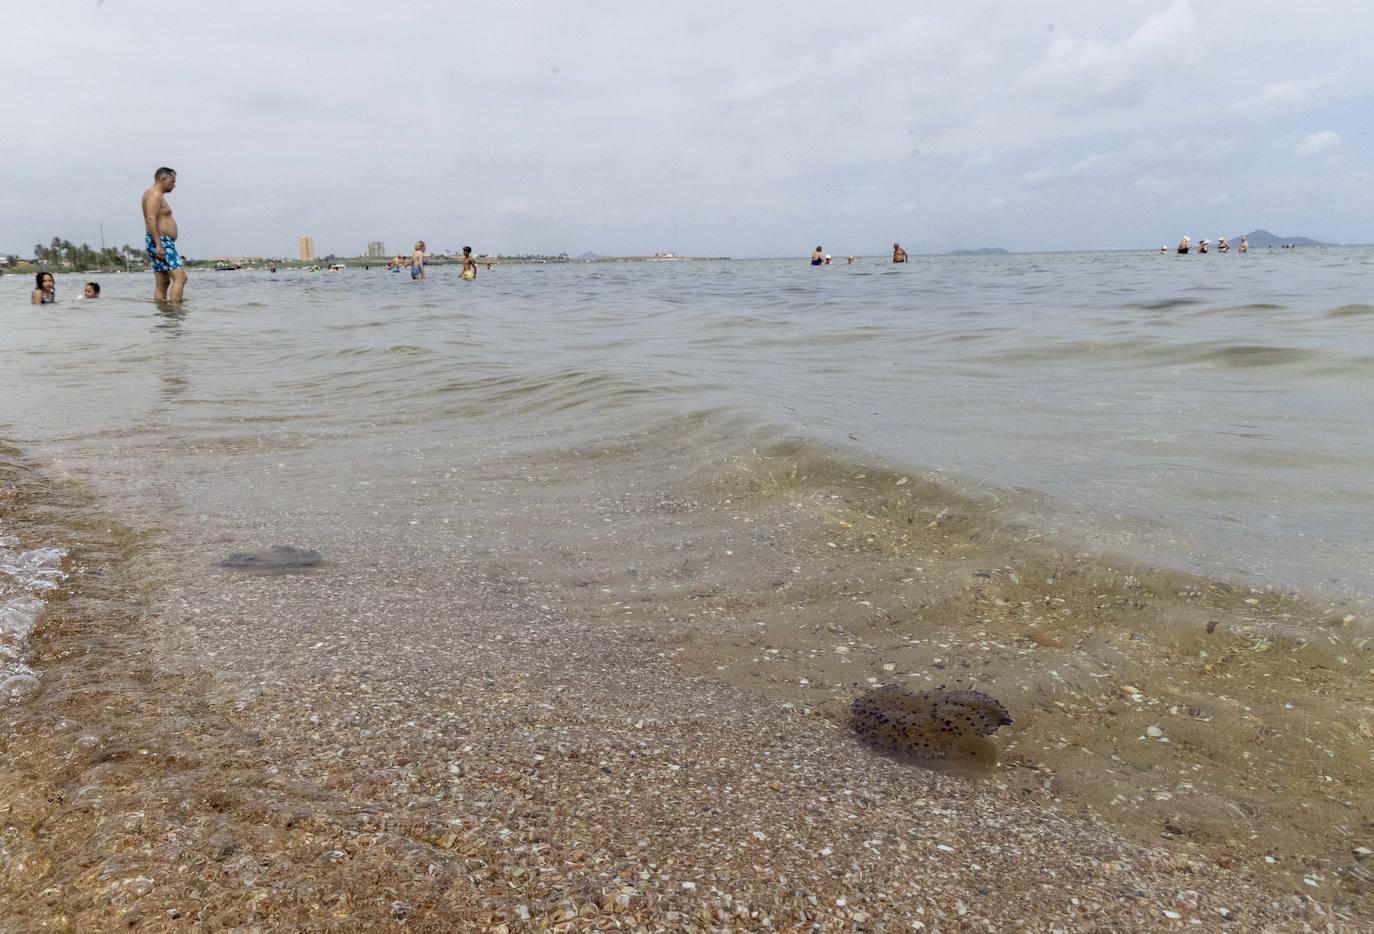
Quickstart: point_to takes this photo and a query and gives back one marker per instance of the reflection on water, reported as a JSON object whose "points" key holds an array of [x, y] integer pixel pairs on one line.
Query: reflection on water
{"points": [[171, 359]]}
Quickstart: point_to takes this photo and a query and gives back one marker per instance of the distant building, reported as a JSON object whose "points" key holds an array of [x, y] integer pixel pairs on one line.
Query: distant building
{"points": [[376, 249], [665, 254], [307, 249]]}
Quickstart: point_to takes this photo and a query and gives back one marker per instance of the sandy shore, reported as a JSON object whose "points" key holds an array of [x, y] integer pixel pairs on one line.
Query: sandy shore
{"points": [[412, 741]]}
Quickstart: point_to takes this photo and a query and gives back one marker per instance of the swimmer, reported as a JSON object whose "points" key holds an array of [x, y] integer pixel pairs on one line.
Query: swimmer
{"points": [[817, 256], [1223, 246], [91, 290], [1183, 245], [850, 262], [898, 254], [417, 261], [44, 289], [827, 259], [469, 267], [1244, 245], [160, 235]]}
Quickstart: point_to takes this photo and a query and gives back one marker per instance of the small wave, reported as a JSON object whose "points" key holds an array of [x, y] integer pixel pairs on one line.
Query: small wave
{"points": [[1252, 355], [1136, 354], [23, 575], [1164, 304], [1350, 311], [1240, 311], [557, 391]]}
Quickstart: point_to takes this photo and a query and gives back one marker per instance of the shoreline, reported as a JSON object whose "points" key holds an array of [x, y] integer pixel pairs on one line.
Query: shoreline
{"points": [[600, 762]]}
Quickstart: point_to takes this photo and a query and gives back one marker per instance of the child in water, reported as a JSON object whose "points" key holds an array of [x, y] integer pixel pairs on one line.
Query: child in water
{"points": [[45, 289], [469, 267]]}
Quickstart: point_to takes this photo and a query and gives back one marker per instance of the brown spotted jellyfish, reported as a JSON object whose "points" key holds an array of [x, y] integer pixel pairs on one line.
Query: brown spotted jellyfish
{"points": [[938, 729]]}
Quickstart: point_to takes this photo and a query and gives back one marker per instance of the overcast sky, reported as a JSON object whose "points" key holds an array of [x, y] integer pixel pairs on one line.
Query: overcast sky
{"points": [[704, 128]]}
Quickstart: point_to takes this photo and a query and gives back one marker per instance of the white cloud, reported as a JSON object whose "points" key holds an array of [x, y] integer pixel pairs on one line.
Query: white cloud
{"points": [[1095, 162], [1191, 147], [1278, 97], [1324, 143], [1090, 70], [1041, 175]]}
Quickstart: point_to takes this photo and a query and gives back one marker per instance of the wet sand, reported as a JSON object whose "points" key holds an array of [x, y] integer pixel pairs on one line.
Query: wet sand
{"points": [[598, 707]]}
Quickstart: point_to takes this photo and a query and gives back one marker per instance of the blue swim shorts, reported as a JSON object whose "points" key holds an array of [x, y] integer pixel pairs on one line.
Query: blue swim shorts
{"points": [[169, 247]]}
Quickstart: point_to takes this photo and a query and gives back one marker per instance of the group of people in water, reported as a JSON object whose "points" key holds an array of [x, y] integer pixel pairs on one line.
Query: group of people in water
{"points": [[160, 239], [419, 270], [1203, 246], [821, 258], [45, 289], [169, 273]]}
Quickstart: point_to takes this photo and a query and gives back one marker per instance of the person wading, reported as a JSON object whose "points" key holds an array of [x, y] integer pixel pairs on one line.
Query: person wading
{"points": [[169, 278]]}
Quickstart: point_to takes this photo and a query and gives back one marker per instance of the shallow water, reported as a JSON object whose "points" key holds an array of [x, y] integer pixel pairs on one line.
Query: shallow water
{"points": [[1205, 412], [592, 488]]}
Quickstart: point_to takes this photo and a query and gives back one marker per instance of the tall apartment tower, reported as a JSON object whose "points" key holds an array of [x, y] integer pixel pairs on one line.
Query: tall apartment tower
{"points": [[307, 249], [376, 249]]}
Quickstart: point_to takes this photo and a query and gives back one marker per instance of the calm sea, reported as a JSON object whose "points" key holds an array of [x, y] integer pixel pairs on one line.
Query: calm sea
{"points": [[1207, 413]]}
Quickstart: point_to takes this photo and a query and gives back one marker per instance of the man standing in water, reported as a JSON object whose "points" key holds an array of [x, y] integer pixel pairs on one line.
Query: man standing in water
{"points": [[898, 254], [160, 237]]}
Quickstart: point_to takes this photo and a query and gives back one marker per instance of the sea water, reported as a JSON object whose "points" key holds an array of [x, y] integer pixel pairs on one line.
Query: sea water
{"points": [[1205, 413]]}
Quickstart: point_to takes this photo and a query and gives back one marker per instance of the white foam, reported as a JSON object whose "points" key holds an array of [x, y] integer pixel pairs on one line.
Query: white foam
{"points": [[23, 575]]}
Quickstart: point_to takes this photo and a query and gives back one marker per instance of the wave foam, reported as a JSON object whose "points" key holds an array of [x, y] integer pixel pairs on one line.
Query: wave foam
{"points": [[23, 575]]}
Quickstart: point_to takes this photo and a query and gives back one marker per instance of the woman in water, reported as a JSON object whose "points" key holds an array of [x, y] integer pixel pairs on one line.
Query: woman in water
{"points": [[417, 261], [817, 257], [45, 289]]}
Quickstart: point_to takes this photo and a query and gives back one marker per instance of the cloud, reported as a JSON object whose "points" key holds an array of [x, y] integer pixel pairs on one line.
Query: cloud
{"points": [[1041, 175], [1278, 97], [1087, 71], [1095, 162], [1191, 147], [1326, 142]]}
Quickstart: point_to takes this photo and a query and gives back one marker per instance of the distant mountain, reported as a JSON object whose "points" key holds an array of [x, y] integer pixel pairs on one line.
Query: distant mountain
{"points": [[590, 255], [982, 251], [1263, 239]]}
